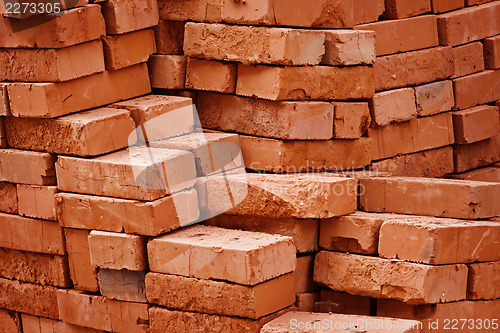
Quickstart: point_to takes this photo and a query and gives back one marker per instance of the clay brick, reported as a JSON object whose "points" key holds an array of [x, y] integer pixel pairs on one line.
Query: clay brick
{"points": [[420, 67], [479, 88], [75, 26], [25, 14], [306, 302], [167, 71], [393, 279], [128, 49], [476, 124], [190, 10], [117, 251], [101, 313], [347, 47], [433, 163], [254, 45], [4, 101], [484, 280], [393, 106], [441, 6], [422, 196], [492, 52], [399, 9], [169, 37], [412, 136], [488, 174], [32, 324], [8, 198], [9, 322], [306, 83], [87, 133], [368, 10], [478, 154], [351, 120], [434, 98], [37, 201], [81, 270], [124, 16], [130, 216], [302, 322], [435, 317], [468, 59], [304, 275], [191, 294], [48, 100], [13, 169], [282, 120], [211, 75], [476, 2], [303, 231], [302, 156], [469, 24], [122, 285], [396, 36], [20, 233], [207, 252], [349, 304]]}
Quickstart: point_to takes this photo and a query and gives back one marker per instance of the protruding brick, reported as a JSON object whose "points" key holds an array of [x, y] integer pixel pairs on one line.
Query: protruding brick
{"points": [[122, 285], [191, 294], [434, 98], [37, 201], [347, 47], [478, 154], [476, 124], [124, 16], [87, 133], [81, 270], [167, 71], [32, 324], [8, 198], [421, 196], [13, 169], [306, 83], [169, 36], [468, 59], [351, 120], [283, 120], [128, 49], [9, 321], [396, 36], [441, 6], [484, 280], [420, 67], [398, 9], [191, 10], [492, 52], [479, 88], [211, 75], [393, 106], [348, 304], [49, 100], [392, 279]]}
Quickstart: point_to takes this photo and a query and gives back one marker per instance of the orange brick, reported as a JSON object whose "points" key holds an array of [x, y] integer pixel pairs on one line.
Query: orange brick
{"points": [[282, 120], [487, 174], [492, 52], [351, 120], [122, 285], [48, 100], [478, 154], [13, 169], [479, 88], [391, 279], [368, 10], [398, 9], [476, 124], [128, 49], [10, 322], [441, 6], [476, 2], [169, 37], [469, 24], [304, 282], [396, 36], [167, 71], [434, 98], [87, 133], [393, 106], [420, 67], [123, 16], [117, 251], [37, 201], [32, 324], [8, 198], [193, 10], [3, 134], [82, 273], [306, 83], [468, 59], [4, 102], [190, 294], [348, 47], [211, 75], [484, 280], [349, 304], [421, 196]]}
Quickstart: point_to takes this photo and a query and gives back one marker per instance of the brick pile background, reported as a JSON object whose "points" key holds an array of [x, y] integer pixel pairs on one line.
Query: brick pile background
{"points": [[370, 139]]}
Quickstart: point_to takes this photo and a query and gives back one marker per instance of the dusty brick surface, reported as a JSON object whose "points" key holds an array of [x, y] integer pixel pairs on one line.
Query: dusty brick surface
{"points": [[434, 98], [167, 71], [32, 324], [211, 75], [468, 59], [82, 273], [476, 124], [128, 49], [478, 88], [478, 154], [37, 201], [347, 48], [196, 10], [351, 120], [484, 280], [13, 169], [393, 106], [122, 17], [8, 196]]}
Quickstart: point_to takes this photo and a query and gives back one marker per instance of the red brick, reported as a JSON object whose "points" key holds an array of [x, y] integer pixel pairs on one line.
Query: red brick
{"points": [[396, 36], [304, 282], [207, 252], [479, 88], [37, 201], [282, 120], [492, 52], [190, 294], [392, 279], [9, 322], [488, 174], [169, 37], [351, 120], [48, 100], [211, 75], [75, 26], [393, 106], [124, 16], [4, 101], [303, 231], [476, 2], [81, 270], [87, 133], [306, 302], [123, 285], [191, 10], [368, 10], [478, 154], [412, 136], [399, 9], [423, 196], [349, 304], [434, 98], [254, 45], [468, 59], [8, 198], [302, 156], [469, 24], [117, 251], [306, 83], [348, 47], [433, 163], [25, 14], [484, 280], [13, 169], [101, 313], [324, 13], [441, 6], [32, 324], [128, 49], [121, 215], [476, 124], [420, 67], [167, 71]]}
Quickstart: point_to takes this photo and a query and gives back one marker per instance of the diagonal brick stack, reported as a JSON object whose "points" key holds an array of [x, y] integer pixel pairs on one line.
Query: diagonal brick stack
{"points": [[246, 166]]}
